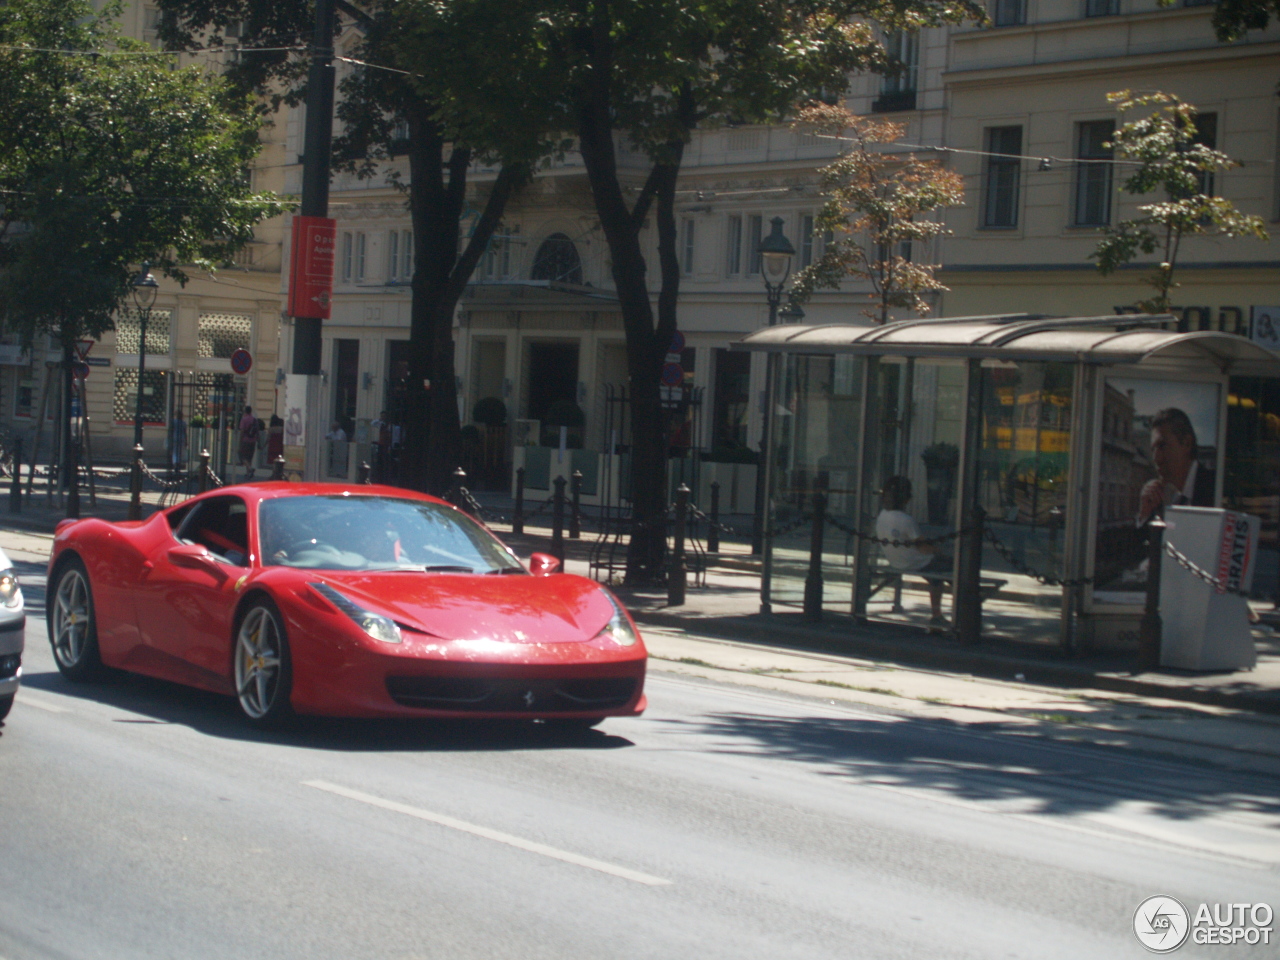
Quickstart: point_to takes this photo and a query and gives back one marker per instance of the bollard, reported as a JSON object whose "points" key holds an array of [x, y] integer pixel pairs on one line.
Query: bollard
{"points": [[135, 484], [968, 594], [363, 474], [557, 522], [575, 515], [277, 468], [15, 492], [1151, 629], [813, 582], [204, 471], [677, 576], [517, 517], [455, 492]]}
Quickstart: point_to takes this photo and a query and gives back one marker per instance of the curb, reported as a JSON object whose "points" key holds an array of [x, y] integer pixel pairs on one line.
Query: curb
{"points": [[772, 630]]}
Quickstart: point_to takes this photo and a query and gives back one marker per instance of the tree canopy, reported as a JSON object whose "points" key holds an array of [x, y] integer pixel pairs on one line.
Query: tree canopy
{"points": [[109, 156]]}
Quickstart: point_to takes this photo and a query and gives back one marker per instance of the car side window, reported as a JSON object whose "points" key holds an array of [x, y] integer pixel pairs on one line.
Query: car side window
{"points": [[220, 524]]}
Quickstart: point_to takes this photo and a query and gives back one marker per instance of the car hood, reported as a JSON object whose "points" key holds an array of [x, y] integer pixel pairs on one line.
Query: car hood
{"points": [[507, 608]]}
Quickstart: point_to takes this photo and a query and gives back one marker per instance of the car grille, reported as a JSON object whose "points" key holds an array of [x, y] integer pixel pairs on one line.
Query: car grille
{"points": [[511, 696], [9, 665]]}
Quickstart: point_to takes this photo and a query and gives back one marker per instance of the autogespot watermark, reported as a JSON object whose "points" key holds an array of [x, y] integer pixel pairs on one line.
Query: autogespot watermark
{"points": [[1162, 924]]}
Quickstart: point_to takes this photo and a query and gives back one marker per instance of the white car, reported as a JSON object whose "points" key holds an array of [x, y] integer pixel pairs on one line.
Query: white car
{"points": [[13, 626]]}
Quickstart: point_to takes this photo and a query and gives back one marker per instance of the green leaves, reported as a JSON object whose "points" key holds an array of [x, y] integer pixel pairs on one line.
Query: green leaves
{"points": [[1166, 147]]}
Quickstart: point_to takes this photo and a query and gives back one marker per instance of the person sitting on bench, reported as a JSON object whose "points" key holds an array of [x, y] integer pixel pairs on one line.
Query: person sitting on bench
{"points": [[894, 523]]}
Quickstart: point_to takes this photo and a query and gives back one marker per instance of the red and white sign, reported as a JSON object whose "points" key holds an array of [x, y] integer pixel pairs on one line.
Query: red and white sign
{"points": [[311, 267], [83, 347]]}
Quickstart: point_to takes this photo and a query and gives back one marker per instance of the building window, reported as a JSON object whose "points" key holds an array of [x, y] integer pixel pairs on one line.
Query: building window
{"points": [[686, 247], [806, 240], [898, 90], [1000, 203], [496, 264], [557, 260], [129, 332], [733, 246], [1101, 8], [346, 257], [155, 395], [731, 400], [1093, 173], [24, 400], [359, 258], [346, 379], [1207, 136], [1009, 13], [393, 256], [755, 233], [221, 334], [406, 252]]}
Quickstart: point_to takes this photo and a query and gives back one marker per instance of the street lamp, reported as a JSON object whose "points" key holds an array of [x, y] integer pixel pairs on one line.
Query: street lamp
{"points": [[145, 289], [791, 313], [776, 252]]}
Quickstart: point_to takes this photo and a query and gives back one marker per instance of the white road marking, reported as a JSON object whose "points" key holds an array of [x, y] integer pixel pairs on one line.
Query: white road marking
{"points": [[486, 833], [24, 699]]}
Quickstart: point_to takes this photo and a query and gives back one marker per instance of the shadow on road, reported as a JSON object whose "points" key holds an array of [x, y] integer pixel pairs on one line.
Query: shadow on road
{"points": [[987, 763], [157, 701]]}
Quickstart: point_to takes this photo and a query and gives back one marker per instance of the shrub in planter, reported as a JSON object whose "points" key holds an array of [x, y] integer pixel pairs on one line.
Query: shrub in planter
{"points": [[563, 413]]}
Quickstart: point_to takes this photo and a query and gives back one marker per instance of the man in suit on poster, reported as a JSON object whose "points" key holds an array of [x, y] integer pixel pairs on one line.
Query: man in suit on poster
{"points": [[1180, 478]]}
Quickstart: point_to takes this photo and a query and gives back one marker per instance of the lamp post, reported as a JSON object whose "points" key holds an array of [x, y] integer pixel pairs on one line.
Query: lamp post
{"points": [[775, 260], [145, 289]]}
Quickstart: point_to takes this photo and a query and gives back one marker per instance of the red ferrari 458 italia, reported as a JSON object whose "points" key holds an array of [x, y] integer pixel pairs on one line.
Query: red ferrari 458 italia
{"points": [[360, 601]]}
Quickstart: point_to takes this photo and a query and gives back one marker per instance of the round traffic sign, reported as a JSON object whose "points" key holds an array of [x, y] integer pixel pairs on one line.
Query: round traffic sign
{"points": [[241, 361], [79, 369], [677, 342], [672, 375]]}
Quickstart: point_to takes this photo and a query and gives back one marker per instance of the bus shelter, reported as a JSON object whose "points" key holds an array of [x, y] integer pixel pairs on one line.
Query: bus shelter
{"points": [[993, 474]]}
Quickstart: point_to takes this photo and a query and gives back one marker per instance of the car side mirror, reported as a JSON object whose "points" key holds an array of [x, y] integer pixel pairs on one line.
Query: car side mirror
{"points": [[192, 555], [543, 564]]}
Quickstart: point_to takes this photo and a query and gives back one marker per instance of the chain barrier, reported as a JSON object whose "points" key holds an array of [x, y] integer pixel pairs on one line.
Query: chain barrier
{"points": [[214, 479], [722, 527], [890, 542], [1025, 570], [781, 530], [149, 474], [1189, 565]]}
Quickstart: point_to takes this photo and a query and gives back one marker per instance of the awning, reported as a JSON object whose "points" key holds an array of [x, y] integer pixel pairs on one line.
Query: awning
{"points": [[1112, 339]]}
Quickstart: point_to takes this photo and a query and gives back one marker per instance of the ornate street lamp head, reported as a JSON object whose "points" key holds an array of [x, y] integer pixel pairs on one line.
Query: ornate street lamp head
{"points": [[145, 288], [776, 252]]}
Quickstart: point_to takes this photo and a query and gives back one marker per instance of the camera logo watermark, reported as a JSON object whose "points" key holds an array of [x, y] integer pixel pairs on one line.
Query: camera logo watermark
{"points": [[1162, 924]]}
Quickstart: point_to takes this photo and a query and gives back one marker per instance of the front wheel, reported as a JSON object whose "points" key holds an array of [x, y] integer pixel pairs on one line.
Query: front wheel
{"points": [[73, 628], [263, 670]]}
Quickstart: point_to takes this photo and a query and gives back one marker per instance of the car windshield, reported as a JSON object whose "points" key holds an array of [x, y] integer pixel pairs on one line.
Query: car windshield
{"points": [[376, 533]]}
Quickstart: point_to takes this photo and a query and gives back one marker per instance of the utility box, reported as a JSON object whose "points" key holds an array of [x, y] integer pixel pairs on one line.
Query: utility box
{"points": [[1206, 627]]}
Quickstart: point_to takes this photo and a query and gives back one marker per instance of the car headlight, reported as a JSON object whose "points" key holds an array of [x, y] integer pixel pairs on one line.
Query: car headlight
{"points": [[10, 594], [374, 624], [619, 628]]}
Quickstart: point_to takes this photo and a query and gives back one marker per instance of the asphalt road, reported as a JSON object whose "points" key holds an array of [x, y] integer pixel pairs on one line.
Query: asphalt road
{"points": [[142, 820]]}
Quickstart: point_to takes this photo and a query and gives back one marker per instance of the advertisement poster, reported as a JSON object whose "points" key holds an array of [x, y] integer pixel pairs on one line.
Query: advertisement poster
{"points": [[1159, 447]]}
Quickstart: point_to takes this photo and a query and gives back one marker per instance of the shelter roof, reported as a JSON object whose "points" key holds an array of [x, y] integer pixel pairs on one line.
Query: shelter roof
{"points": [[1113, 339]]}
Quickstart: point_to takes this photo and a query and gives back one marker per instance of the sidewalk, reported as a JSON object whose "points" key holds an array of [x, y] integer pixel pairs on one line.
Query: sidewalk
{"points": [[719, 634]]}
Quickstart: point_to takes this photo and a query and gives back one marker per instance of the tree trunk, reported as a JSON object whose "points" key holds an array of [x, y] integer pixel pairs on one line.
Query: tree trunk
{"points": [[432, 426]]}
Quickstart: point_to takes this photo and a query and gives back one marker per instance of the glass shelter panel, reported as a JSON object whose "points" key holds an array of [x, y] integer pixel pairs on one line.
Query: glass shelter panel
{"points": [[1022, 488], [817, 412], [909, 489]]}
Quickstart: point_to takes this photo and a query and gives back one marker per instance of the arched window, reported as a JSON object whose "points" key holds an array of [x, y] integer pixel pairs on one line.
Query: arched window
{"points": [[557, 259]]}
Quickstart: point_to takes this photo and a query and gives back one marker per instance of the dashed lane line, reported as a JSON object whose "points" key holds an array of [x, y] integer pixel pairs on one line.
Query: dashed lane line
{"points": [[495, 835]]}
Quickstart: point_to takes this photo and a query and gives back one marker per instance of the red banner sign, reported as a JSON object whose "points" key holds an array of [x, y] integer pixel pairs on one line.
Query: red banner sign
{"points": [[311, 269]]}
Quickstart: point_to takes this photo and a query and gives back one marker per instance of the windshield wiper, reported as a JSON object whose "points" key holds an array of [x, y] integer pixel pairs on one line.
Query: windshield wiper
{"points": [[447, 568], [500, 570]]}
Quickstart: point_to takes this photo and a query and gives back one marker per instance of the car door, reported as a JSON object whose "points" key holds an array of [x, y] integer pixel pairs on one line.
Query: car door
{"points": [[186, 614]]}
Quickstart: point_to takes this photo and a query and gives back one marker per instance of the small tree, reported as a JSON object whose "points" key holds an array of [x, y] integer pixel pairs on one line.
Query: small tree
{"points": [[877, 202], [1169, 157]]}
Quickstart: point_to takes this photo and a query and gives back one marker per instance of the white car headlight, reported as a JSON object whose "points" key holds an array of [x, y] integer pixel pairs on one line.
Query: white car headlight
{"points": [[374, 624], [10, 594], [619, 628]]}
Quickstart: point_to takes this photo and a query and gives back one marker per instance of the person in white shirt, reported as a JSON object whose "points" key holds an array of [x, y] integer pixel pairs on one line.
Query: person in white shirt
{"points": [[336, 432], [908, 555]]}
